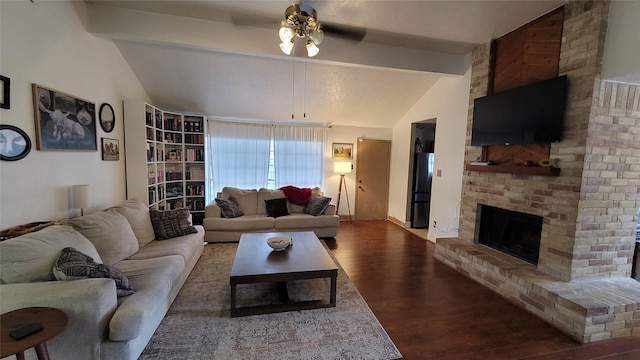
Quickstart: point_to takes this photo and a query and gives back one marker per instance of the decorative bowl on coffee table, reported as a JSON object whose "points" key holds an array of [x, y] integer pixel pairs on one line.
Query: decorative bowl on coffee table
{"points": [[279, 243]]}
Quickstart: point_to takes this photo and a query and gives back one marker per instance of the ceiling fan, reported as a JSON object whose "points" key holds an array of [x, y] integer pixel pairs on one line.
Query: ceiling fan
{"points": [[301, 21]]}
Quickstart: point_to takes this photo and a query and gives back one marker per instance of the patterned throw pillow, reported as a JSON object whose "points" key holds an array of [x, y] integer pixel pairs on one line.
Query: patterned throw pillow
{"points": [[276, 207], [317, 206], [229, 207], [171, 223], [73, 265]]}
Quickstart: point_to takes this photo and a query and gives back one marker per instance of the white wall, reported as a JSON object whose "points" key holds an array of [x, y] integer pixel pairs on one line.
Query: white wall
{"points": [[347, 134], [448, 102], [621, 60], [46, 43]]}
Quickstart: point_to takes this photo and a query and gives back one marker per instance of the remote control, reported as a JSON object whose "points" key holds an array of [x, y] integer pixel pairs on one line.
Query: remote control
{"points": [[25, 330]]}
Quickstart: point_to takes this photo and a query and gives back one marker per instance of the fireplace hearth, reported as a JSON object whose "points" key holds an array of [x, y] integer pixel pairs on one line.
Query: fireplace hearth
{"points": [[511, 232]]}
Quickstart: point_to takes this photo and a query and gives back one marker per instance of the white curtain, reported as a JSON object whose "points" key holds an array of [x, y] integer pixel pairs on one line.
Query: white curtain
{"points": [[299, 155], [238, 156]]}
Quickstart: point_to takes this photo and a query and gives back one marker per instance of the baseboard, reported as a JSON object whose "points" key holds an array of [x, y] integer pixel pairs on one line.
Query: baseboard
{"points": [[396, 221]]}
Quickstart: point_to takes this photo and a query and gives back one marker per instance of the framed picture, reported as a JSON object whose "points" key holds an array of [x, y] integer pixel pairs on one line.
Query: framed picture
{"points": [[107, 118], [63, 121], [342, 150], [110, 149], [5, 92], [14, 143]]}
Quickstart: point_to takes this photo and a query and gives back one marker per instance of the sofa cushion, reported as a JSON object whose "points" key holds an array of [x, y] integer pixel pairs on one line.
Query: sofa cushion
{"points": [[153, 280], [305, 221], [110, 232], [137, 214], [30, 257], [185, 246], [315, 192], [247, 198], [229, 207], [317, 206], [296, 195], [276, 207], [73, 265], [168, 224], [268, 194], [245, 223]]}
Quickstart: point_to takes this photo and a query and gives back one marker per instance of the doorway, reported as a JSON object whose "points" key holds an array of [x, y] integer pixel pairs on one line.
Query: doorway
{"points": [[372, 176], [421, 172]]}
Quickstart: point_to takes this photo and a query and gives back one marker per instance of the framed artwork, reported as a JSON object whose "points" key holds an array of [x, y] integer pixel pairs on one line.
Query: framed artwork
{"points": [[14, 143], [342, 150], [63, 121], [5, 92], [107, 118], [110, 149]]}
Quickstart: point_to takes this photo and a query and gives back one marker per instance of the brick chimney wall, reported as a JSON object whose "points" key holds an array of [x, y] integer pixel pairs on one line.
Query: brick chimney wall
{"points": [[590, 210]]}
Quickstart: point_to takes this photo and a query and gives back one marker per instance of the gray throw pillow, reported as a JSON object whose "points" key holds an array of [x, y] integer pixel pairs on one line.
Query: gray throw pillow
{"points": [[276, 207], [171, 223], [73, 265], [316, 206], [229, 207]]}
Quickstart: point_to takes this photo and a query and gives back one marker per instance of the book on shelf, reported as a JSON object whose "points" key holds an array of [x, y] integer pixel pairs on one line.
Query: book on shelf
{"points": [[195, 174], [195, 155]]}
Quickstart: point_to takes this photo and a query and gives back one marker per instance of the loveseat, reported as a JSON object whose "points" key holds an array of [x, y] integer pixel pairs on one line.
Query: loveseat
{"points": [[106, 320], [256, 217]]}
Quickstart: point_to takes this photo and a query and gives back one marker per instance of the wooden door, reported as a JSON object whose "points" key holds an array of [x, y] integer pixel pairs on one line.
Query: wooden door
{"points": [[372, 177]]}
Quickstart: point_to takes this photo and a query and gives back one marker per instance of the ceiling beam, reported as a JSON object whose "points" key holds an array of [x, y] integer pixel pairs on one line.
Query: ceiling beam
{"points": [[155, 28]]}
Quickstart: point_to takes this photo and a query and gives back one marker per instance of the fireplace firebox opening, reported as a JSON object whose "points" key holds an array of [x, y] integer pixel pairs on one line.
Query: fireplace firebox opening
{"points": [[511, 232]]}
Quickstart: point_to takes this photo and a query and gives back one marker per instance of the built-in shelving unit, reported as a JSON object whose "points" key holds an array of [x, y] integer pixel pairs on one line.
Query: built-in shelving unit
{"points": [[167, 149]]}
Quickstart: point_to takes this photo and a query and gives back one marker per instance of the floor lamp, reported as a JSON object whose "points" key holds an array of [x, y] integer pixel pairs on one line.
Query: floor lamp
{"points": [[342, 168]]}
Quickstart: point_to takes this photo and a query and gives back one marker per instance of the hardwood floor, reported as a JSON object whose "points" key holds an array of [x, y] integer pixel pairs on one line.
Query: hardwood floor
{"points": [[432, 312]]}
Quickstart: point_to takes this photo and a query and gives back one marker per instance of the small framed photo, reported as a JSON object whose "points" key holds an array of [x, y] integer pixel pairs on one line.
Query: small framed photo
{"points": [[63, 121], [342, 150], [5, 92], [110, 149], [107, 117], [14, 143]]}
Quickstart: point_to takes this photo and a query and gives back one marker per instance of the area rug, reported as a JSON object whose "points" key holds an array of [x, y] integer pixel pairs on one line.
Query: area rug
{"points": [[198, 324]]}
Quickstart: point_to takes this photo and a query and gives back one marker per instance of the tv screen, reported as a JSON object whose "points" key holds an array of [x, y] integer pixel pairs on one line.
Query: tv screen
{"points": [[529, 114]]}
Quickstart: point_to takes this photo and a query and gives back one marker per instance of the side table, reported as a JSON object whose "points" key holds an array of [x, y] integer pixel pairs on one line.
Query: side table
{"points": [[53, 322]]}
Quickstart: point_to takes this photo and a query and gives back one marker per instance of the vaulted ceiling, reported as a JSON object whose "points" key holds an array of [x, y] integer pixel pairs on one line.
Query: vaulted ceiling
{"points": [[221, 58]]}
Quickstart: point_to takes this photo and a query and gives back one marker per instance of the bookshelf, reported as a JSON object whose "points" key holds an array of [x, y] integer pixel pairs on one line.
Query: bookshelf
{"points": [[166, 148]]}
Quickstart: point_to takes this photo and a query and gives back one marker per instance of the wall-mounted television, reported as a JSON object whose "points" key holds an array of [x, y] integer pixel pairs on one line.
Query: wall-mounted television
{"points": [[530, 114]]}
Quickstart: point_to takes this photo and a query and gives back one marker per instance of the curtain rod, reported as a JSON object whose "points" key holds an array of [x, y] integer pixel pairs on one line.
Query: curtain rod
{"points": [[266, 122]]}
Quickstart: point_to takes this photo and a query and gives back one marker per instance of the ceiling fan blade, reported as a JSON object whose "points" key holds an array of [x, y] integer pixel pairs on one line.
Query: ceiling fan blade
{"points": [[346, 32]]}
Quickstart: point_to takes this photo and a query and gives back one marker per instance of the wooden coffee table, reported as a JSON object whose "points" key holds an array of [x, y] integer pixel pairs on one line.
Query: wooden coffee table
{"points": [[53, 322], [256, 262]]}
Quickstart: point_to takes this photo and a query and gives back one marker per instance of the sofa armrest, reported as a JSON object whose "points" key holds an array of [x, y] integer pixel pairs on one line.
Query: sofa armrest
{"points": [[88, 303], [330, 210], [212, 210]]}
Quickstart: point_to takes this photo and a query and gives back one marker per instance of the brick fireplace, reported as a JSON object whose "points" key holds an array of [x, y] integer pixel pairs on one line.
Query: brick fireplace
{"points": [[582, 281]]}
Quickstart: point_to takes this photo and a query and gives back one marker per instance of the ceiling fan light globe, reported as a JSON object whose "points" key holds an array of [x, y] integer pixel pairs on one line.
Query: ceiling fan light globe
{"points": [[286, 34], [316, 36], [286, 47], [312, 49]]}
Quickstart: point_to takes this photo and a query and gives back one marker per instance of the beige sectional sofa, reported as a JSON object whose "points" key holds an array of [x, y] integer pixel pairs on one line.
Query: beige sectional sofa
{"points": [[255, 218], [101, 325]]}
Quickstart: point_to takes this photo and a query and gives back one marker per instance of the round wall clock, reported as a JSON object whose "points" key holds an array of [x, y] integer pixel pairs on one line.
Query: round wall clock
{"points": [[107, 117], [14, 143]]}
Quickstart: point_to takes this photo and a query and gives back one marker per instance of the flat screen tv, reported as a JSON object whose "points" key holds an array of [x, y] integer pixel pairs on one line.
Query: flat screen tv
{"points": [[529, 114]]}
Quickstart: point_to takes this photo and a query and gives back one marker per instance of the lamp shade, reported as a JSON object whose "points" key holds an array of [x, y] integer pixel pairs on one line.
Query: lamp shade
{"points": [[312, 49], [80, 196], [286, 47], [342, 167]]}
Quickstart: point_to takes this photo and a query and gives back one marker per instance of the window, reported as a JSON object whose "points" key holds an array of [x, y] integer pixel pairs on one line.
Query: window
{"points": [[253, 156]]}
